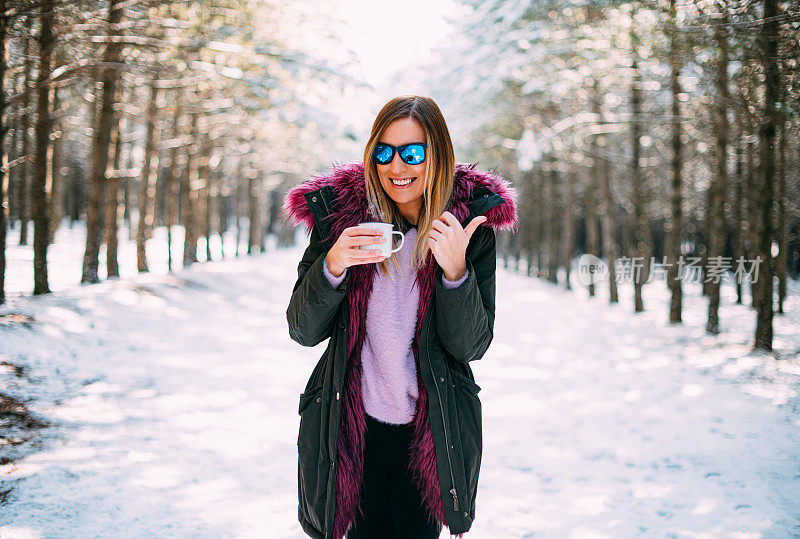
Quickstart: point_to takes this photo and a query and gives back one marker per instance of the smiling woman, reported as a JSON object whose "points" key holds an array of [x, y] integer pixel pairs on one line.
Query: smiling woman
{"points": [[390, 417]]}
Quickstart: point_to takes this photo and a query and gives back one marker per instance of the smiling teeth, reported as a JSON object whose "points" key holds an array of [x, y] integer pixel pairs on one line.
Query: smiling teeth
{"points": [[403, 182]]}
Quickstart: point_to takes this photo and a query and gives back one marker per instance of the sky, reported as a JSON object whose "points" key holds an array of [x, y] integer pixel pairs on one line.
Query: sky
{"points": [[392, 36]]}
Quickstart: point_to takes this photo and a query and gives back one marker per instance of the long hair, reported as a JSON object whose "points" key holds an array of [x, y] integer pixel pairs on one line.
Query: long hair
{"points": [[440, 169]]}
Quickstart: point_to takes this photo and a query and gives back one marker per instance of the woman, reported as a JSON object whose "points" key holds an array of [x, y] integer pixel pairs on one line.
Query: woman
{"points": [[390, 427]]}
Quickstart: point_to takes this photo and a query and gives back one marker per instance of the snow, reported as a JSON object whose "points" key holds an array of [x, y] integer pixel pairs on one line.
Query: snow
{"points": [[173, 404]]}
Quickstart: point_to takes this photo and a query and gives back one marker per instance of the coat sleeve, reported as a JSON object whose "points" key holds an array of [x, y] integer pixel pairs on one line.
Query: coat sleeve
{"points": [[315, 302], [465, 314]]}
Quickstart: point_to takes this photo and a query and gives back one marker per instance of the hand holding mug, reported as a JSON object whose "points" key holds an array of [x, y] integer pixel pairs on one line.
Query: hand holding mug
{"points": [[347, 250]]}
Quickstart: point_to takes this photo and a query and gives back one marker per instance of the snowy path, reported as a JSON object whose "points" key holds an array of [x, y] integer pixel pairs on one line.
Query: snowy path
{"points": [[176, 404]]}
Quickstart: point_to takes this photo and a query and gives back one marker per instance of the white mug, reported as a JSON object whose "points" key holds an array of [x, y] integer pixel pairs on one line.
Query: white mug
{"points": [[386, 246]]}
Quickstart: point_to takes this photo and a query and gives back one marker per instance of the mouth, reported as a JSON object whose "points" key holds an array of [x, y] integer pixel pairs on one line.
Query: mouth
{"points": [[402, 182]]}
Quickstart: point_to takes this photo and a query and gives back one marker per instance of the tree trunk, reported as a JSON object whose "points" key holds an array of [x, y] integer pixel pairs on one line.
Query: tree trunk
{"points": [[41, 230], [238, 204], [568, 225], [541, 221], [253, 213], [78, 181], [752, 207], [592, 221], [189, 194], [592, 238], [768, 38], [552, 225], [209, 209], [14, 189], [100, 144], [75, 194], [223, 208], [675, 223], [128, 188], [25, 166], [173, 176], [528, 217], [263, 228], [503, 240], [3, 157], [719, 183], [114, 198], [203, 193], [780, 236], [740, 216], [56, 176], [638, 237], [609, 230], [148, 180], [510, 248]]}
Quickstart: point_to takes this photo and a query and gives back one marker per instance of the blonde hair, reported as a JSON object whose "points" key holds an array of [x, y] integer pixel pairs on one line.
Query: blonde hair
{"points": [[439, 176]]}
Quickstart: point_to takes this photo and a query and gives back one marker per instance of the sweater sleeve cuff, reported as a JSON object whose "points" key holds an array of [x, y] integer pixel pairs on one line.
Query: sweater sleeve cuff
{"points": [[335, 281], [453, 284]]}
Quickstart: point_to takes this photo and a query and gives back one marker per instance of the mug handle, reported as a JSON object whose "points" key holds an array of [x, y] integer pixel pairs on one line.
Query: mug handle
{"points": [[402, 240]]}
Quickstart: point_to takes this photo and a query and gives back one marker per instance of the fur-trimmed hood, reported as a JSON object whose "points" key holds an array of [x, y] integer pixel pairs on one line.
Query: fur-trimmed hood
{"points": [[471, 187]]}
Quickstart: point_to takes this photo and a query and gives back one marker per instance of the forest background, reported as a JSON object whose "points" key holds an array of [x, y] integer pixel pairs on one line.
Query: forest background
{"points": [[654, 135]]}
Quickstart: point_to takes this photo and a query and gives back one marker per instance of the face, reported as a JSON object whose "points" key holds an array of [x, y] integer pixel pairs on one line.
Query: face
{"points": [[407, 197]]}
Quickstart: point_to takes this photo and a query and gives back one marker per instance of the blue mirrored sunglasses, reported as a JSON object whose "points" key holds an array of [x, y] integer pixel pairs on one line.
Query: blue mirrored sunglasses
{"points": [[411, 154]]}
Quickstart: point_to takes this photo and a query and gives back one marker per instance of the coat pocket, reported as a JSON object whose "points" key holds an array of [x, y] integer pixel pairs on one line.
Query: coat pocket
{"points": [[466, 384], [308, 437], [308, 397], [311, 484]]}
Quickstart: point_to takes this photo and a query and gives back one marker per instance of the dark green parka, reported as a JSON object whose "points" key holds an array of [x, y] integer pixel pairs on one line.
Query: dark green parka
{"points": [[454, 327]]}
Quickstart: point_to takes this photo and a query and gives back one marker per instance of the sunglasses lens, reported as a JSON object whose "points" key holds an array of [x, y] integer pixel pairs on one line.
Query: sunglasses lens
{"points": [[413, 154], [383, 154]]}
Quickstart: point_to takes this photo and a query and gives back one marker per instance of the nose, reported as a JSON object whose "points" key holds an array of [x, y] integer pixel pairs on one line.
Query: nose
{"points": [[397, 164]]}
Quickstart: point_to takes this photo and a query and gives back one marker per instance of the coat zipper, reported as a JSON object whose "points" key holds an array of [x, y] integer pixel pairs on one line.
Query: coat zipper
{"points": [[331, 500], [444, 424], [324, 204]]}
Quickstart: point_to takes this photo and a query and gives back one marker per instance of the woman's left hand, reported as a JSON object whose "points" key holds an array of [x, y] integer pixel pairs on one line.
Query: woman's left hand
{"points": [[448, 241]]}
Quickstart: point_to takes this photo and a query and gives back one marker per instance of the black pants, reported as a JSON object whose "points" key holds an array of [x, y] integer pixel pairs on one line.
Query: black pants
{"points": [[391, 506]]}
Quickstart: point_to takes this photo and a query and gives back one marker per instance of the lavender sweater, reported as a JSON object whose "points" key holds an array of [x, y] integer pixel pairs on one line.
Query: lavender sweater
{"points": [[388, 369]]}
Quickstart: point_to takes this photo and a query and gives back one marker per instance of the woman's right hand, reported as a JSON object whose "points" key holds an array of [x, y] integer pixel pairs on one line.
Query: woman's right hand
{"points": [[345, 253]]}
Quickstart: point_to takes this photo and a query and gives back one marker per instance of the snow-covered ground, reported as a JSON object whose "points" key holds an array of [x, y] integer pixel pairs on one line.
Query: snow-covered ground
{"points": [[173, 400]]}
